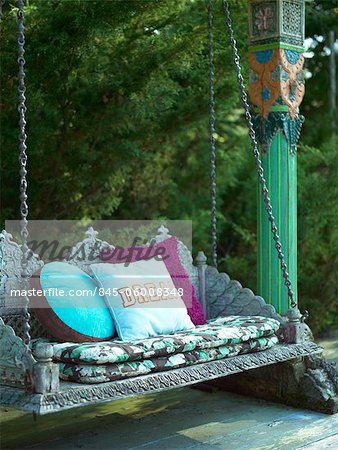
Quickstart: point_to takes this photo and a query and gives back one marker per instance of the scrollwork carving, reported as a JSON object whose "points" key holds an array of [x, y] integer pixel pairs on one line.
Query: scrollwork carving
{"points": [[227, 297], [16, 360]]}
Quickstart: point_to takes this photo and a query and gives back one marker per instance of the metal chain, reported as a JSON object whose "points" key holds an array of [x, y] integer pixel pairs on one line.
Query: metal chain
{"points": [[212, 138], [23, 162], [256, 154]]}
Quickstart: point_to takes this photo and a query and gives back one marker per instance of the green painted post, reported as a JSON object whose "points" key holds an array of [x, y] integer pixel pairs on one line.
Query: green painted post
{"points": [[276, 88]]}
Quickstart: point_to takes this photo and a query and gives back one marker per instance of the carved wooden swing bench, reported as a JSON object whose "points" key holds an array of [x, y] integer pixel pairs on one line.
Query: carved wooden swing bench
{"points": [[30, 380], [30, 371]]}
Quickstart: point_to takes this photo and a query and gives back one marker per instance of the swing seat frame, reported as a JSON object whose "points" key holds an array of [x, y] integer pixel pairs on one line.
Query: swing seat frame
{"points": [[29, 380]]}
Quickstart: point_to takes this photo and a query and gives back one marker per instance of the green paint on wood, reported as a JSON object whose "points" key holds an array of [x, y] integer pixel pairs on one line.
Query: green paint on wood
{"points": [[279, 160], [279, 219], [276, 108], [280, 169], [272, 45]]}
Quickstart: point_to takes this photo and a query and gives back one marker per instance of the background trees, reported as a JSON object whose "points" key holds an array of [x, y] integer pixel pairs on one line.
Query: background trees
{"points": [[118, 128]]}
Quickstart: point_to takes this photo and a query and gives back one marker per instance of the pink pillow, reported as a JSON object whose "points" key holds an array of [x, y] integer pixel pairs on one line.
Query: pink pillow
{"points": [[168, 249]]}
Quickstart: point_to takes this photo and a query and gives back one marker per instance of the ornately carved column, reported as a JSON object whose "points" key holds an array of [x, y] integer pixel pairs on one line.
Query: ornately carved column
{"points": [[276, 89]]}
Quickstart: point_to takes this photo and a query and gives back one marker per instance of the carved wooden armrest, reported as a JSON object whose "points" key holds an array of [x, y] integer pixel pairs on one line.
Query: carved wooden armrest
{"points": [[16, 360], [226, 297], [22, 367]]}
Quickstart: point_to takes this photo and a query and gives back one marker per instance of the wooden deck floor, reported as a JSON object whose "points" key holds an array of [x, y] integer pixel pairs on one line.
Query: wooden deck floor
{"points": [[180, 419]]}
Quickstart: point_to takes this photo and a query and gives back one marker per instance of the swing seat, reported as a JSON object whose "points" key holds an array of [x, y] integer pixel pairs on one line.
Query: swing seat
{"points": [[224, 337], [242, 333]]}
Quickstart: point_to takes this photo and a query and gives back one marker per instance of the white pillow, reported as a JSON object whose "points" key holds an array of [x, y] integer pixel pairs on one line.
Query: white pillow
{"points": [[142, 298]]}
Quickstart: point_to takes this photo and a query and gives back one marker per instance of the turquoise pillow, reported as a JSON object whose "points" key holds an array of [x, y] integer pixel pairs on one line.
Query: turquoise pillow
{"points": [[71, 308], [143, 299]]}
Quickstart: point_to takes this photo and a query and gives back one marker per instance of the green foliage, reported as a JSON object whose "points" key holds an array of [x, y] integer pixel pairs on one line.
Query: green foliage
{"points": [[325, 4], [118, 101], [117, 96], [318, 233]]}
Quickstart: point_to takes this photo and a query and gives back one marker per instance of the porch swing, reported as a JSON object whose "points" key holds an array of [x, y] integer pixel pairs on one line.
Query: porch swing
{"points": [[30, 373]]}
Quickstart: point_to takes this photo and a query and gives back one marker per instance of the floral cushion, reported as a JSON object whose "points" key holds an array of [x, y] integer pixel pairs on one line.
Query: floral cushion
{"points": [[94, 373], [223, 331]]}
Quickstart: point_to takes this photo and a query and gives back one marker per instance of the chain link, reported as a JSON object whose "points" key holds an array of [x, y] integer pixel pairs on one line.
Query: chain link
{"points": [[212, 138], [23, 162], [256, 154]]}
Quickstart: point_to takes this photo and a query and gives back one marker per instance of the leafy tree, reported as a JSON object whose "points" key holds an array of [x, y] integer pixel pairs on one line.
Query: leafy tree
{"points": [[117, 96], [318, 233]]}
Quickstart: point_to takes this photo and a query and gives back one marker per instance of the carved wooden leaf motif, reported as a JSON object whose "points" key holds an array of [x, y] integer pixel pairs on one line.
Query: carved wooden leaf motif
{"points": [[265, 91], [292, 89], [227, 297], [269, 83]]}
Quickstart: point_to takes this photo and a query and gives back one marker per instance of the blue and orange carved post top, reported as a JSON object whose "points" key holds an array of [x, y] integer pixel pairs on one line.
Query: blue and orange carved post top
{"points": [[276, 88]]}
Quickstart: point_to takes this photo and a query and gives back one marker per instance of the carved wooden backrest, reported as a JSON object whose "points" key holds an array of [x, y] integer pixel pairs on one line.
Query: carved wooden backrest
{"points": [[83, 254], [87, 251], [218, 294]]}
